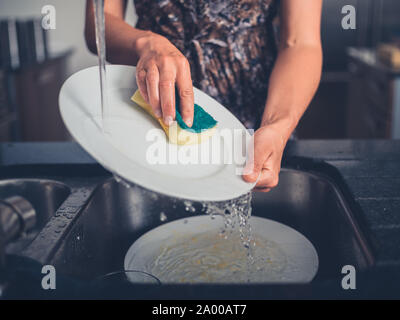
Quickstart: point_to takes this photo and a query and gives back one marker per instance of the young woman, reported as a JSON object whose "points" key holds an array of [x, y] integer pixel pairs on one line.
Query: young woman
{"points": [[228, 49]]}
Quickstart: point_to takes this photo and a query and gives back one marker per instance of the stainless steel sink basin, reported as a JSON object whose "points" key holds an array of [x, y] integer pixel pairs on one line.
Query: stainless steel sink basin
{"points": [[44, 195], [115, 216]]}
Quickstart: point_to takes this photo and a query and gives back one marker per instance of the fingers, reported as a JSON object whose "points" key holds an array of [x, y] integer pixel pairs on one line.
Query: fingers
{"points": [[167, 93], [185, 91], [262, 189], [162, 66], [269, 179], [258, 155], [152, 81], [141, 82], [156, 79], [251, 175], [267, 158]]}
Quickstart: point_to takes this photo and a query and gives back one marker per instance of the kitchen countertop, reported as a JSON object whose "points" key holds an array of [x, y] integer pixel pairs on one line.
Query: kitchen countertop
{"points": [[370, 170]]}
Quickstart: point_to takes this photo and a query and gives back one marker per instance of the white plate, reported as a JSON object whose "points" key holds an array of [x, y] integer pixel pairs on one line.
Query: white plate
{"points": [[298, 250], [124, 148]]}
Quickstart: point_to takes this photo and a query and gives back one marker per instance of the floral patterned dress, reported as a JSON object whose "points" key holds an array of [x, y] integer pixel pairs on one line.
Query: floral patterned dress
{"points": [[230, 45]]}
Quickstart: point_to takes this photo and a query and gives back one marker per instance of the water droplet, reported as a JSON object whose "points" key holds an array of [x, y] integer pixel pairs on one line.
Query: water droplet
{"points": [[163, 217]]}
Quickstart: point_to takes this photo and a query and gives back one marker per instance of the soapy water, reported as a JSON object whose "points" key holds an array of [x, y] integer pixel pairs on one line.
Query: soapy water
{"points": [[210, 258]]}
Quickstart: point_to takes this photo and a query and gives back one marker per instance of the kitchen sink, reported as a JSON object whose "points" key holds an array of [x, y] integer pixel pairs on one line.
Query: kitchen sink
{"points": [[114, 216], [44, 195]]}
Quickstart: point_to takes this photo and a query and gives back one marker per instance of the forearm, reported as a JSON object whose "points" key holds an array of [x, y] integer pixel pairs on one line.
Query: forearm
{"points": [[293, 82], [122, 40]]}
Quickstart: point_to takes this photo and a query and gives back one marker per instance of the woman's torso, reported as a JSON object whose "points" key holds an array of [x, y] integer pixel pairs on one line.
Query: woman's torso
{"points": [[230, 46]]}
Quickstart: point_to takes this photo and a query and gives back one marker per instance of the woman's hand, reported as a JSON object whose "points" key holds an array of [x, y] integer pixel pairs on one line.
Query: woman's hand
{"points": [[161, 66], [266, 159]]}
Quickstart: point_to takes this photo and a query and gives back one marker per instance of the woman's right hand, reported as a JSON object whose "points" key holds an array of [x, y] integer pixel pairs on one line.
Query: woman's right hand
{"points": [[160, 68]]}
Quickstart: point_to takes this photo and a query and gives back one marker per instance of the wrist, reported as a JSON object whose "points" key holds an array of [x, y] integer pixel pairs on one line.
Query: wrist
{"points": [[283, 126], [142, 42]]}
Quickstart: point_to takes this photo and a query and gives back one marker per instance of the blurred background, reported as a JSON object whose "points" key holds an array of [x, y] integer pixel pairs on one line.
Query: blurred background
{"points": [[358, 98]]}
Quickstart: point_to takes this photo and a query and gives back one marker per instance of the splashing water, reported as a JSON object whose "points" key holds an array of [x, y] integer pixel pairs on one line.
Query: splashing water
{"points": [[189, 206], [163, 217], [236, 214]]}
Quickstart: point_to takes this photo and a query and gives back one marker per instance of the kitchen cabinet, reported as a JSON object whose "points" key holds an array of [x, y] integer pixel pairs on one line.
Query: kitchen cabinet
{"points": [[373, 109], [37, 87], [7, 114], [31, 76]]}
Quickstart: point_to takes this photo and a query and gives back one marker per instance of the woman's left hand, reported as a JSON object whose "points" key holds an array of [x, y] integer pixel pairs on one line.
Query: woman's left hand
{"points": [[268, 150]]}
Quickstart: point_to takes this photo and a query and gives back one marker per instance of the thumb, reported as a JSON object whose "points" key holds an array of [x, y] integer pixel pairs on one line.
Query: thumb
{"points": [[255, 162]]}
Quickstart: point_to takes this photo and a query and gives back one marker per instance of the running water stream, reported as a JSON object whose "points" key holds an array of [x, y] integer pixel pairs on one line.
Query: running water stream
{"points": [[101, 53]]}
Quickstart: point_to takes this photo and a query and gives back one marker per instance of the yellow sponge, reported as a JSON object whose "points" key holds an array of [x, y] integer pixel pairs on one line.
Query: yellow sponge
{"points": [[175, 133]]}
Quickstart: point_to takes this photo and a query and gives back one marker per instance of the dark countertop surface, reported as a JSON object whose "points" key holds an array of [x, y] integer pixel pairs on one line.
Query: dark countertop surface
{"points": [[369, 168]]}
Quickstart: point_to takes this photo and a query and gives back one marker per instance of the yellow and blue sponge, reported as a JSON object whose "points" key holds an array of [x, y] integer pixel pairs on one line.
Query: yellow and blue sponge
{"points": [[179, 133]]}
